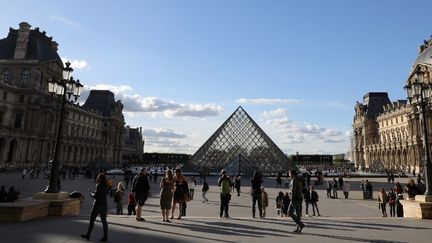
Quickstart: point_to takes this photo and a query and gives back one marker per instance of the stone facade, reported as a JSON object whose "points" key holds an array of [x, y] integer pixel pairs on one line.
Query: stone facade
{"points": [[29, 117], [133, 148], [389, 135]]}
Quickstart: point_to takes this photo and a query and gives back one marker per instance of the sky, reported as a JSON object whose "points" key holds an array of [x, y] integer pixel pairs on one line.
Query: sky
{"points": [[181, 68]]}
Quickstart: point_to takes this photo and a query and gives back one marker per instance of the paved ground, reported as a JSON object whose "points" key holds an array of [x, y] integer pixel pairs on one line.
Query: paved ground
{"points": [[352, 220]]}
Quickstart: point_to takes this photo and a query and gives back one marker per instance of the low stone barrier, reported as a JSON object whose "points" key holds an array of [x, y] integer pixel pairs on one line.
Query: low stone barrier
{"points": [[28, 209]]}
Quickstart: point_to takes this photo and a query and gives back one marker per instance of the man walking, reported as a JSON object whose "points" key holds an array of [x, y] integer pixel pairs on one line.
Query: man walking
{"points": [[224, 184], [256, 182], [141, 190], [296, 188]]}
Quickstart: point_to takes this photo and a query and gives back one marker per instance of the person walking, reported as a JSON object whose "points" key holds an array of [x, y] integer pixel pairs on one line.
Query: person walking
{"points": [[131, 204], [329, 189], [279, 205], [307, 199], [278, 180], [346, 189], [205, 189], [224, 184], [166, 194], [3, 194], [180, 193], [335, 189], [369, 189], [296, 188], [237, 182], [265, 201], [392, 202], [256, 182], [382, 201], [118, 198], [141, 190], [100, 207], [314, 200]]}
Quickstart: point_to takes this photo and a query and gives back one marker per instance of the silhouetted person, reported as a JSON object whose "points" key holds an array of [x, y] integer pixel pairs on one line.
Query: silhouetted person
{"points": [[3, 194], [100, 206], [13, 194]]}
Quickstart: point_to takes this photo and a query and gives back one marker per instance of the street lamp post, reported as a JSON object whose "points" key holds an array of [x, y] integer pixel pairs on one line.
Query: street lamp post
{"points": [[420, 93], [66, 90]]}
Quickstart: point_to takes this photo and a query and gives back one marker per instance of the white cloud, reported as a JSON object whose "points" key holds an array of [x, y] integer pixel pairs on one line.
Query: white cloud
{"points": [[275, 113], [281, 122], [264, 101], [295, 133], [134, 103], [67, 21], [169, 145], [76, 64], [162, 133]]}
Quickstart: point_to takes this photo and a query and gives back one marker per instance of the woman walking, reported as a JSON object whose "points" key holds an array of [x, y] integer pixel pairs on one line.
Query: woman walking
{"points": [[392, 202], [100, 206], [256, 182], [382, 201], [118, 198], [180, 191], [166, 194], [205, 189]]}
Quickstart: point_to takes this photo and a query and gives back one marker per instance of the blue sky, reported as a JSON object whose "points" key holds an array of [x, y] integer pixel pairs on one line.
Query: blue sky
{"points": [[182, 67]]}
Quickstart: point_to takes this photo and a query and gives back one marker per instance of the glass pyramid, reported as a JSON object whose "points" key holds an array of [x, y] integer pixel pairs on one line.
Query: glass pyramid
{"points": [[241, 147]]}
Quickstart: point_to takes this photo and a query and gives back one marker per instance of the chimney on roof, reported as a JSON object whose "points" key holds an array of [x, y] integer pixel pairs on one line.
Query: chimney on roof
{"points": [[22, 41], [54, 45]]}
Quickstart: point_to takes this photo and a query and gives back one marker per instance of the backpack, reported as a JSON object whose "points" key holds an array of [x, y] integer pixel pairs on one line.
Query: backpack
{"points": [[225, 186]]}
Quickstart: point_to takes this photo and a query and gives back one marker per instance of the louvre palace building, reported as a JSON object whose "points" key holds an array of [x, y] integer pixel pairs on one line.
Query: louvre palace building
{"points": [[388, 135], [29, 116]]}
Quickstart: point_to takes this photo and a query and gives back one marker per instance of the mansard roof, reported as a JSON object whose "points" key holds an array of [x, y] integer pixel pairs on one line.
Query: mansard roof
{"points": [[101, 101], [375, 102], [39, 47]]}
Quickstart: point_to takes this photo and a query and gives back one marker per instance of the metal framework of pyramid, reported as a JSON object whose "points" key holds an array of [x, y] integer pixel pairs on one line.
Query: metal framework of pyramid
{"points": [[241, 147]]}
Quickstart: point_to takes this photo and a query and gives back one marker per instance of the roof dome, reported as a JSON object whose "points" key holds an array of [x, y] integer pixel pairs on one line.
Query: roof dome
{"points": [[425, 57]]}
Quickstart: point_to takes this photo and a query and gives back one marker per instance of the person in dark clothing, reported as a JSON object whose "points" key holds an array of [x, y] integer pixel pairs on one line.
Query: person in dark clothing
{"points": [[307, 199], [13, 194], [237, 182], [141, 190], [256, 182], [224, 184], [392, 202], [3, 194], [294, 210], [278, 180], [100, 207], [314, 200]]}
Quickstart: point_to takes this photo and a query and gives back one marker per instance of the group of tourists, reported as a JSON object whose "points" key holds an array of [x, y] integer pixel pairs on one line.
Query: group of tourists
{"points": [[177, 189]]}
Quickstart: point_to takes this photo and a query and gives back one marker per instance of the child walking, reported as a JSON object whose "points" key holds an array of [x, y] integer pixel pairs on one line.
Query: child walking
{"points": [[131, 204], [279, 200], [264, 197], [118, 198]]}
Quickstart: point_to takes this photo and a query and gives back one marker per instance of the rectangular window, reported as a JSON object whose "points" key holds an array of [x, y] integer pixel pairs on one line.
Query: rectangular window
{"points": [[25, 77], [6, 76], [18, 119], [21, 99], [5, 95], [1, 117]]}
